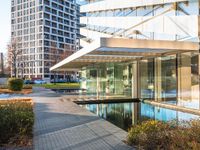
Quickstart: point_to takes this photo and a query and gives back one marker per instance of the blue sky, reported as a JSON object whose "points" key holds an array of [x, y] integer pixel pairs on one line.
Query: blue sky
{"points": [[4, 24]]}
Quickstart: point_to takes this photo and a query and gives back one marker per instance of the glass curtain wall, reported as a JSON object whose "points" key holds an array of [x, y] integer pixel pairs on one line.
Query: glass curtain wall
{"points": [[118, 80], [123, 77], [147, 86], [188, 69], [83, 77], [172, 79], [108, 80], [169, 78], [91, 85]]}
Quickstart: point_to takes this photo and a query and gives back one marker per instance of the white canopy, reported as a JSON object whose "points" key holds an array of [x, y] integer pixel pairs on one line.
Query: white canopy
{"points": [[122, 50]]}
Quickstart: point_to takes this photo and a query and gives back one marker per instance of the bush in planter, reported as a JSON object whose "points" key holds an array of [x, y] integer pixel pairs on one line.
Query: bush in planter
{"points": [[16, 125], [27, 87], [157, 135], [3, 86], [15, 84]]}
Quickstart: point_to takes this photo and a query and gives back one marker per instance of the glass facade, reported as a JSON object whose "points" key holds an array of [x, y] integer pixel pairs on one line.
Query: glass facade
{"points": [[112, 79], [149, 70], [189, 80], [168, 77], [147, 78], [171, 79]]}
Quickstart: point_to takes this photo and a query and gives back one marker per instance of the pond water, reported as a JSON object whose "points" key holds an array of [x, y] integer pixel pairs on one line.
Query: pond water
{"points": [[124, 115], [5, 96], [68, 91]]}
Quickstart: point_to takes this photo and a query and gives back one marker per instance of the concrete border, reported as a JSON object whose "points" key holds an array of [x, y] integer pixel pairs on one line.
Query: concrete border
{"points": [[173, 107]]}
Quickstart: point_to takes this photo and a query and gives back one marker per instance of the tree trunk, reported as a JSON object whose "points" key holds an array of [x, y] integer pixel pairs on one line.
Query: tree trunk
{"points": [[15, 72], [54, 76]]}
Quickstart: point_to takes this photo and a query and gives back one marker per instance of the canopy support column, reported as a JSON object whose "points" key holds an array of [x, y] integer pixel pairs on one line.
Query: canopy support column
{"points": [[98, 85], [158, 79], [135, 80]]}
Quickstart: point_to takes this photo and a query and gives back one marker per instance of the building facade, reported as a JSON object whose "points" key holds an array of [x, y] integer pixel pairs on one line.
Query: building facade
{"points": [[45, 32], [147, 49]]}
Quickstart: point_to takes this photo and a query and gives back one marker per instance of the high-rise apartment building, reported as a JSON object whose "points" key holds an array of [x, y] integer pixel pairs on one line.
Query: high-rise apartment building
{"points": [[45, 31]]}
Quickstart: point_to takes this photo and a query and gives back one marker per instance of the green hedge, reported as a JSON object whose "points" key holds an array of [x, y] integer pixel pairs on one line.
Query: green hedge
{"points": [[58, 85], [16, 122], [15, 84], [24, 87]]}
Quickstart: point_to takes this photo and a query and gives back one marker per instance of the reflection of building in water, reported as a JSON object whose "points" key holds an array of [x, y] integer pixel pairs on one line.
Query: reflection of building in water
{"points": [[124, 115]]}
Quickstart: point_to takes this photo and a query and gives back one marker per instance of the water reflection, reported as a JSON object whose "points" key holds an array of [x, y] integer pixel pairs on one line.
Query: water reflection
{"points": [[6, 96], [124, 115], [68, 91]]}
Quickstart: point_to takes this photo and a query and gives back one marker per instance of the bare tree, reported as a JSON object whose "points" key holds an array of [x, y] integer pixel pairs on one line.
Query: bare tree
{"points": [[54, 57], [58, 55], [14, 54], [68, 50]]}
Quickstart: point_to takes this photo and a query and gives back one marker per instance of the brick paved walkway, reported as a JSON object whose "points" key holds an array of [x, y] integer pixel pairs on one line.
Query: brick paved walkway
{"points": [[63, 125]]}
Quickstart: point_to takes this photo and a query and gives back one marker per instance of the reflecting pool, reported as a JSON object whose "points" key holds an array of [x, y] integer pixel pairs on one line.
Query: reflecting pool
{"points": [[124, 115], [68, 91], [6, 96]]}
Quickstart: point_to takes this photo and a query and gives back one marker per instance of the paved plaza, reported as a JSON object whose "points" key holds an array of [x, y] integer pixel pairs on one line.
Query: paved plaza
{"points": [[62, 125]]}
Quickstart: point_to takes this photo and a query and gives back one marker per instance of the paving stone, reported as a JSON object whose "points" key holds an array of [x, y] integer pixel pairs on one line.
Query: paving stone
{"points": [[63, 125]]}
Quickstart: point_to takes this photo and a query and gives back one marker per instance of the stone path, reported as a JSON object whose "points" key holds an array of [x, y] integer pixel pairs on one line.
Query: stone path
{"points": [[63, 125]]}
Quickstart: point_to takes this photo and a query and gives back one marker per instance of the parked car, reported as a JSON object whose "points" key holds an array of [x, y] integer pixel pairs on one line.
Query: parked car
{"points": [[39, 81], [58, 81], [28, 82]]}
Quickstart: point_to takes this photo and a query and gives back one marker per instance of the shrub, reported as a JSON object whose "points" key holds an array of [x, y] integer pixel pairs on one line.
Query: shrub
{"points": [[3, 86], [152, 135], [24, 86], [15, 84], [16, 123], [27, 87], [59, 85]]}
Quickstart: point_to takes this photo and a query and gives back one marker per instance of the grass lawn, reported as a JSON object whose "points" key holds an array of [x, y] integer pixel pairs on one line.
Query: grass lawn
{"points": [[16, 123], [59, 85]]}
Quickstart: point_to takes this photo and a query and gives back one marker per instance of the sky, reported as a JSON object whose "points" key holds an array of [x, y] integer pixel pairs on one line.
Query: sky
{"points": [[5, 26]]}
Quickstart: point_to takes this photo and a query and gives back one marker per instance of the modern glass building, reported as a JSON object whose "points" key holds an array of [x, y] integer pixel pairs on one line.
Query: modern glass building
{"points": [[146, 49]]}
